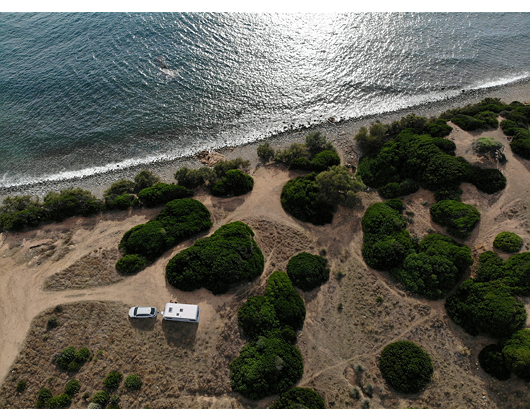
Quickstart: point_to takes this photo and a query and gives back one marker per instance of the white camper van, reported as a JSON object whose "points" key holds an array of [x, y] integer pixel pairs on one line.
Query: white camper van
{"points": [[181, 312]]}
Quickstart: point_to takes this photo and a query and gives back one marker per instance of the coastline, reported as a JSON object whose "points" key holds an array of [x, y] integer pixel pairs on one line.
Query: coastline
{"points": [[339, 133]]}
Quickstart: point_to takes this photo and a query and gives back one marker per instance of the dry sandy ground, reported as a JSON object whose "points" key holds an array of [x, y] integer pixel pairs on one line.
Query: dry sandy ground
{"points": [[185, 366]]}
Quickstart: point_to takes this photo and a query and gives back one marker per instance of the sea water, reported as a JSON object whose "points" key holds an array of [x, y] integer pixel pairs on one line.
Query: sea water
{"points": [[86, 93]]}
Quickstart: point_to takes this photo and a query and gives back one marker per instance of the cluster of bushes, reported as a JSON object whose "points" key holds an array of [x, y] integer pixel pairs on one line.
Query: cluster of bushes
{"points": [[179, 220], [410, 159], [314, 198], [493, 362], [229, 256], [225, 178], [405, 366], [429, 268], [21, 212], [371, 140], [270, 363], [316, 154], [484, 115], [111, 383], [308, 271], [72, 360], [45, 399], [460, 219], [488, 303]]}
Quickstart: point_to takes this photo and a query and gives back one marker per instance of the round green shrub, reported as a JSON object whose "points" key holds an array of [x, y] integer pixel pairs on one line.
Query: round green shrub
{"points": [[66, 357], [133, 382], [122, 202], [59, 401], [307, 271], [82, 355], [301, 199], [113, 380], [490, 266], [235, 182], [72, 387], [516, 352], [297, 398], [508, 242], [229, 256], [73, 366], [130, 264], [265, 152], [101, 397], [257, 316], [288, 305], [44, 395], [21, 386], [459, 218], [405, 366], [162, 193], [492, 361], [324, 160], [145, 179], [52, 323], [266, 367]]}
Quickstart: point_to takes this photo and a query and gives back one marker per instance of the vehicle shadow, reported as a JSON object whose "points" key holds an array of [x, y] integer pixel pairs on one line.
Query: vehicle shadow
{"points": [[180, 334], [146, 324]]}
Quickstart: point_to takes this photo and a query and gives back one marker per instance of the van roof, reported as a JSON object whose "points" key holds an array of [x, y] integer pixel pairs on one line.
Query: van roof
{"points": [[180, 310]]}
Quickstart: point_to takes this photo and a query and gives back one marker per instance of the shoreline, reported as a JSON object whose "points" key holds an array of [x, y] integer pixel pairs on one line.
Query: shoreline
{"points": [[340, 133]]}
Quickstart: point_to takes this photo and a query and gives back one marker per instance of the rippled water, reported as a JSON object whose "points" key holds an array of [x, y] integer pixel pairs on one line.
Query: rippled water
{"points": [[83, 93]]}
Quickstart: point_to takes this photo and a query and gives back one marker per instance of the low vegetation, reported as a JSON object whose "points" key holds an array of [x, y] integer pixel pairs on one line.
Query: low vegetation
{"points": [[299, 398], [113, 380], [72, 360]]}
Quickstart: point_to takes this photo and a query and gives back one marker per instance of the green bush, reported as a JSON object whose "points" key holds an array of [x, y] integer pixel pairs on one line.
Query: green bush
{"points": [[445, 145], [399, 189], [193, 178], [405, 366], [222, 167], [435, 268], [20, 212], [133, 382], [371, 141], [162, 193], [521, 146], [71, 202], [438, 128], [493, 362], [122, 202], [307, 271], [385, 240], [516, 273], [122, 187], [130, 264], [324, 160], [297, 398], [316, 143], [113, 380], [302, 163], [229, 256], [144, 179], [459, 218], [179, 220], [52, 323], [516, 352], [336, 186], [72, 387], [265, 152], [101, 397], [21, 386], [426, 161], [266, 367], [43, 396], [490, 266], [301, 199], [294, 151], [486, 307], [488, 145], [234, 182], [257, 317], [73, 366], [288, 305], [468, 123], [508, 242], [59, 401], [450, 193], [66, 357]]}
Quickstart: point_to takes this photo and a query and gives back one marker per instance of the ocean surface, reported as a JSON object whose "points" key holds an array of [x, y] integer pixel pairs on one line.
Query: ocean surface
{"points": [[88, 93]]}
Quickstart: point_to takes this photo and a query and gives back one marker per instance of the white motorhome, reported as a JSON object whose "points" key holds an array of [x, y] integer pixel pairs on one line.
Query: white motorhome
{"points": [[181, 312]]}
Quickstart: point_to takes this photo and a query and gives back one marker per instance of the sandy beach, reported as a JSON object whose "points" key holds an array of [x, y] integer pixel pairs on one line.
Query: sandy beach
{"points": [[71, 265], [340, 133]]}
